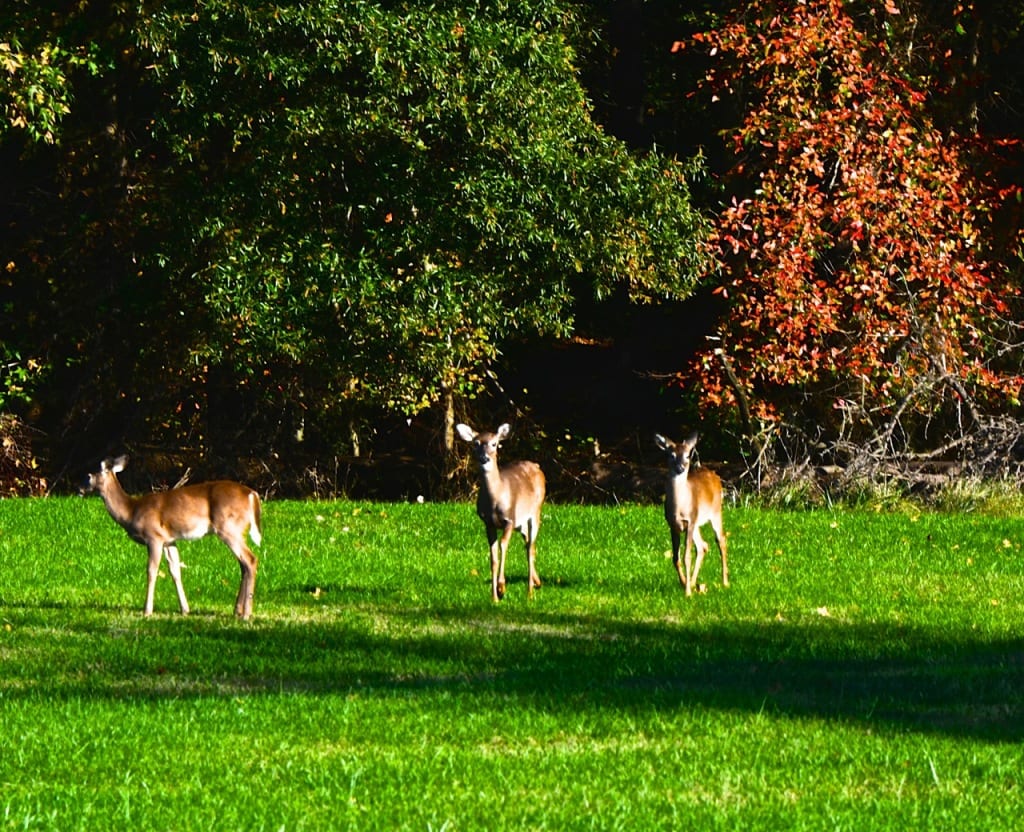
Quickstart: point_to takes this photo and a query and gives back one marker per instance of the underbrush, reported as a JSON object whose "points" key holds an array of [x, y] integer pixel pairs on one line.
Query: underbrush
{"points": [[20, 473], [806, 487]]}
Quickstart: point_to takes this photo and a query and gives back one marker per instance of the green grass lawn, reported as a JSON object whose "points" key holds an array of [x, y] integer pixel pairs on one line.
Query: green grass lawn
{"points": [[864, 671]]}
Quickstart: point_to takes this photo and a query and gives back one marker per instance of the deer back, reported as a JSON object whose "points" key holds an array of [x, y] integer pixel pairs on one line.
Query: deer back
{"points": [[193, 511]]}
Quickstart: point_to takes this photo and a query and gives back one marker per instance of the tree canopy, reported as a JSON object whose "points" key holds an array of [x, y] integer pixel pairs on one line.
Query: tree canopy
{"points": [[235, 227], [348, 203]]}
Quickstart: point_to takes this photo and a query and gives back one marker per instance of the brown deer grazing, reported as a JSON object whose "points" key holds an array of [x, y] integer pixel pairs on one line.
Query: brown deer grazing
{"points": [[510, 499], [159, 520], [693, 497]]}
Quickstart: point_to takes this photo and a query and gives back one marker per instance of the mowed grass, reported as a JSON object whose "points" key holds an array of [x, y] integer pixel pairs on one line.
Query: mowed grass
{"points": [[863, 671]]}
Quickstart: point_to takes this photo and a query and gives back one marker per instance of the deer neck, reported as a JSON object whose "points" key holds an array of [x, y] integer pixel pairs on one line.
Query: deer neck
{"points": [[119, 505], [490, 479], [678, 487]]}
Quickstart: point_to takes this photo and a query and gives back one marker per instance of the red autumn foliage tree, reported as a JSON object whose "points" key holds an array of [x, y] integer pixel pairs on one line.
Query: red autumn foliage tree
{"points": [[854, 256]]}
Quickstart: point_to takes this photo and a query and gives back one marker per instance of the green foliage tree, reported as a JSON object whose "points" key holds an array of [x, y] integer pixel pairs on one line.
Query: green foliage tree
{"points": [[42, 62], [389, 193], [35, 96], [347, 202]]}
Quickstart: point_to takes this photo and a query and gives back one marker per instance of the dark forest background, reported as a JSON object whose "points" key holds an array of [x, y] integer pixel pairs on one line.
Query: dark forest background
{"points": [[294, 243]]}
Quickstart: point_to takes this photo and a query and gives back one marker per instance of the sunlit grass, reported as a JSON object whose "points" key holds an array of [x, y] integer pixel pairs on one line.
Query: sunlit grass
{"points": [[863, 671]]}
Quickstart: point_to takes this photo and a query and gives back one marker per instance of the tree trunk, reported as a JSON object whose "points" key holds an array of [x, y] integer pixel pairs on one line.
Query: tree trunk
{"points": [[448, 486], [448, 427]]}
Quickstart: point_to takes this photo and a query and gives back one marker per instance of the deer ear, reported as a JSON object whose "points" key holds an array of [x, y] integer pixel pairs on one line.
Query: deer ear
{"points": [[465, 432], [503, 431], [117, 464], [691, 440], [661, 441]]}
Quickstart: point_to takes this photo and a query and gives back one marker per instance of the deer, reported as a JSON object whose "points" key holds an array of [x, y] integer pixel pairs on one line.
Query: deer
{"points": [[693, 497], [159, 520], [510, 499]]}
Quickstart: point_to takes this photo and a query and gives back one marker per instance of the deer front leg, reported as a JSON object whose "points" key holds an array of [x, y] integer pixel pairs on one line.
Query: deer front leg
{"points": [[174, 566], [156, 550], [493, 545], [676, 539], [688, 558], [503, 542]]}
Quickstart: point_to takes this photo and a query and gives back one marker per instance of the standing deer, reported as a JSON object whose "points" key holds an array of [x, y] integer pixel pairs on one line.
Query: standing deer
{"points": [[510, 499], [692, 498], [159, 520]]}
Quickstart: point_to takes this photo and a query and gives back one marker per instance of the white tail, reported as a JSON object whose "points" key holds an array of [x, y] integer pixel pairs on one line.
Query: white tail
{"points": [[510, 499], [159, 520], [693, 497]]}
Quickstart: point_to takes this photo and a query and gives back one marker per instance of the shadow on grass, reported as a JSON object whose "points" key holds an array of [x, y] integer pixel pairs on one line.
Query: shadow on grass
{"points": [[906, 678]]}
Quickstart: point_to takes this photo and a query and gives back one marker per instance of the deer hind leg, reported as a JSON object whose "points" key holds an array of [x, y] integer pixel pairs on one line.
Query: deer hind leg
{"points": [[174, 566], [248, 564], [156, 551], [530, 537], [702, 549], [247, 587], [716, 524]]}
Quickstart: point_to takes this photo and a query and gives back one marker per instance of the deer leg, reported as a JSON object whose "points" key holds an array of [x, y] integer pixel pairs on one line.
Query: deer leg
{"points": [[247, 587], [174, 565], [531, 557], [687, 556], [675, 557], [156, 550], [503, 541], [720, 538], [492, 544], [702, 549], [251, 593], [247, 562]]}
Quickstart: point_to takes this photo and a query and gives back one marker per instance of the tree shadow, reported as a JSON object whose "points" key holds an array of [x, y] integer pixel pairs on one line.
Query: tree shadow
{"points": [[905, 678]]}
